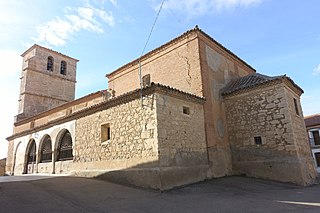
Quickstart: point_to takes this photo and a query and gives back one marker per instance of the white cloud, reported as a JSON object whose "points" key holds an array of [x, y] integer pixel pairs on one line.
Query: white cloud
{"points": [[114, 2], [316, 70], [59, 30], [201, 7]]}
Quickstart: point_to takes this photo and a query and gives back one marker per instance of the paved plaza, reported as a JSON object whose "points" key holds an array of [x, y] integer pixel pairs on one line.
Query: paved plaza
{"points": [[231, 194]]}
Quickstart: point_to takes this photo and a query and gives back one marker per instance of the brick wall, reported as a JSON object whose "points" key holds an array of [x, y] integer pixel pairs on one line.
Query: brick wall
{"points": [[218, 67], [40, 89], [176, 65]]}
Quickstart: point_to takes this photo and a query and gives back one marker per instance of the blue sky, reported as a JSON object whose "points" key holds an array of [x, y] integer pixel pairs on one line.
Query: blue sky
{"points": [[275, 37]]}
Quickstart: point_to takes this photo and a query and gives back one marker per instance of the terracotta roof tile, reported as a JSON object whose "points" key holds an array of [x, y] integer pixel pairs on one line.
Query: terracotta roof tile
{"points": [[196, 29], [36, 45], [247, 82], [124, 98], [312, 120]]}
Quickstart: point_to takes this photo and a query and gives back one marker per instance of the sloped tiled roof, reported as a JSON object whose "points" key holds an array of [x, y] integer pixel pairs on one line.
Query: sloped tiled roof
{"points": [[156, 50], [247, 82], [36, 45], [253, 80], [121, 99], [312, 120]]}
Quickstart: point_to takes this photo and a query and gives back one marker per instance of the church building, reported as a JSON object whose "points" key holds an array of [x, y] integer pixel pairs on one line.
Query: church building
{"points": [[197, 112]]}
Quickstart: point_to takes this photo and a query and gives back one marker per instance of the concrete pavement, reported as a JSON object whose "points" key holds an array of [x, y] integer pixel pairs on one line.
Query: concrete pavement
{"points": [[230, 194]]}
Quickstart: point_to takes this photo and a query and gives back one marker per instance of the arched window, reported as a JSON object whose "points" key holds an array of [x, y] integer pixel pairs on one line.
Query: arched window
{"points": [[65, 147], [46, 150], [31, 158], [50, 64], [63, 68]]}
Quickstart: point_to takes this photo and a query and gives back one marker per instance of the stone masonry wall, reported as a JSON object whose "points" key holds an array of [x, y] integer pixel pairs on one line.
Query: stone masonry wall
{"points": [[155, 146], [133, 137], [10, 156], [264, 112], [2, 166], [139, 135], [181, 142], [301, 140], [181, 137]]}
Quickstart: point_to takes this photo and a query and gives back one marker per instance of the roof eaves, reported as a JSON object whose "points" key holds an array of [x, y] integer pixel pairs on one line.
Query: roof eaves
{"points": [[226, 49], [126, 97], [248, 83], [36, 45], [196, 29], [69, 104]]}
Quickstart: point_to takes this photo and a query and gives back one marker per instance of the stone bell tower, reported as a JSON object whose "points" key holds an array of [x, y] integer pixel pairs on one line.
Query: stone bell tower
{"points": [[48, 80]]}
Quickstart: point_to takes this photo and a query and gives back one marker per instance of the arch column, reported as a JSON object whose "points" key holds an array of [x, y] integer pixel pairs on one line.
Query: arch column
{"points": [[37, 161], [54, 161], [53, 157]]}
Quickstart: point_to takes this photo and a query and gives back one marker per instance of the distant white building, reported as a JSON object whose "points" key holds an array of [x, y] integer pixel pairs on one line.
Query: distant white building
{"points": [[313, 128]]}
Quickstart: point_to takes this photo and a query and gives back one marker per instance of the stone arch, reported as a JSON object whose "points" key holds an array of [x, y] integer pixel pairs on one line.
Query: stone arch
{"points": [[45, 149], [30, 157], [64, 146], [15, 157]]}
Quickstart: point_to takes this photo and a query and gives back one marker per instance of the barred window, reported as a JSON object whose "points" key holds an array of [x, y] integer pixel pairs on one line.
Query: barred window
{"points": [[65, 147], [32, 152], [63, 68], [46, 150]]}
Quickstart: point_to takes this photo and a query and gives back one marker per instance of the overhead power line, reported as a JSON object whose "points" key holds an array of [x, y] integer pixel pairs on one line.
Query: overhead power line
{"points": [[144, 48]]}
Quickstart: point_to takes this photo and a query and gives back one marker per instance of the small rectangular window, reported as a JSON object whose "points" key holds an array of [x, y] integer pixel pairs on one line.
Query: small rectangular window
{"points": [[186, 110], [31, 124], [317, 156], [258, 140], [296, 106], [146, 80], [105, 132], [68, 111], [316, 137]]}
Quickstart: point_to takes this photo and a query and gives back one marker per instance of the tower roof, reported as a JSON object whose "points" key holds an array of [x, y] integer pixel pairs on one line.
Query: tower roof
{"points": [[50, 50]]}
